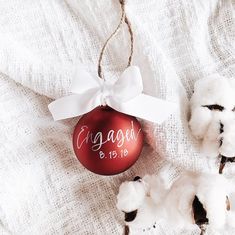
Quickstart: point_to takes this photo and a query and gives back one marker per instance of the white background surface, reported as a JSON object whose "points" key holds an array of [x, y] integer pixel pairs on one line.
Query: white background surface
{"points": [[43, 188]]}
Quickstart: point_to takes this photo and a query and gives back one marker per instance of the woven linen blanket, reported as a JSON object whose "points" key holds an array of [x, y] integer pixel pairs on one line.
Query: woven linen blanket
{"points": [[44, 190]]}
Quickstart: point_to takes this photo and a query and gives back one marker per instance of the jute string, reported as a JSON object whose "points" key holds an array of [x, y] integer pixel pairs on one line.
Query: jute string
{"points": [[122, 20]]}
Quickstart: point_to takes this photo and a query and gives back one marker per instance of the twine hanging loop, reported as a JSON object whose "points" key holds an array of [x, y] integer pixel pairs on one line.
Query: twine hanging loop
{"points": [[115, 32]]}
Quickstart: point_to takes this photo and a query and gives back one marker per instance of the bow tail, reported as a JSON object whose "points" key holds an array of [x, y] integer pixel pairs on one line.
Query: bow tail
{"points": [[146, 107], [74, 105]]}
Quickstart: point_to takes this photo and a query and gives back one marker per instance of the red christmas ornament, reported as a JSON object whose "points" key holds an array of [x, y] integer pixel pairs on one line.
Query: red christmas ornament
{"points": [[107, 142]]}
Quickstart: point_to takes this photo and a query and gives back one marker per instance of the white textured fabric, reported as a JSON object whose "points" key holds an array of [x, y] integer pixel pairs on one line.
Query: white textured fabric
{"points": [[43, 188]]}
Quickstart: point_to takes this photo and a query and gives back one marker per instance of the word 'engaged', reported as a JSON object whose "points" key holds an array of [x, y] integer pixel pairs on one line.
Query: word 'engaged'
{"points": [[98, 139]]}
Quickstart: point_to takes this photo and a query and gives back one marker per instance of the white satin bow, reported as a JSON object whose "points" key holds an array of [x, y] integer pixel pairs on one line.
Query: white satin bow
{"points": [[125, 96]]}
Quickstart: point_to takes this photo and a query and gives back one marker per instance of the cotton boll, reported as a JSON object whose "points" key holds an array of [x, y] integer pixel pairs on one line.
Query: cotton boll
{"points": [[213, 90], [148, 213], [148, 181], [210, 148], [215, 205], [131, 196], [178, 202], [185, 205], [228, 139], [207, 91], [205, 122], [220, 135], [157, 187], [231, 214], [210, 230], [199, 121], [211, 140], [212, 191], [232, 83], [154, 200], [231, 219], [157, 195]]}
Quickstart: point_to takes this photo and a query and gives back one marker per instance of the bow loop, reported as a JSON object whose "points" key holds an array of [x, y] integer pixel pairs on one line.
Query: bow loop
{"points": [[129, 85], [125, 96], [83, 81]]}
